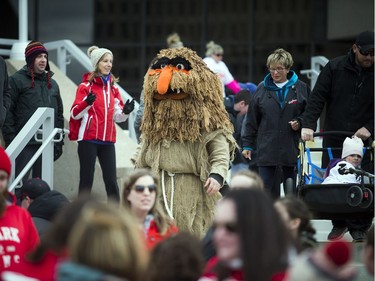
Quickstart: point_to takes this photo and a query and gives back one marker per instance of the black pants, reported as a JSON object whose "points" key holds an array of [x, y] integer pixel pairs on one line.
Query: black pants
{"points": [[271, 176], [24, 157], [87, 153]]}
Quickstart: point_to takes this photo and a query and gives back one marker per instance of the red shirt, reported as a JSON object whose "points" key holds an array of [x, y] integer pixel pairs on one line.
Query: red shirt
{"points": [[46, 269], [154, 236], [18, 236], [235, 274]]}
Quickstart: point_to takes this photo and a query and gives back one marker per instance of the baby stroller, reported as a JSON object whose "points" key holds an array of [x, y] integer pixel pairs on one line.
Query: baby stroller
{"points": [[333, 201]]}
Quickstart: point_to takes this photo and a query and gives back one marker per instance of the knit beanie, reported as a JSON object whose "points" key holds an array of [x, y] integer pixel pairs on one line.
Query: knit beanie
{"points": [[213, 48], [95, 54], [34, 49], [351, 146], [5, 163]]}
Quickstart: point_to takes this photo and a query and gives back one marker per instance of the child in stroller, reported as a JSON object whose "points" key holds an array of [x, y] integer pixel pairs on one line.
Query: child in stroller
{"points": [[351, 158], [345, 197]]}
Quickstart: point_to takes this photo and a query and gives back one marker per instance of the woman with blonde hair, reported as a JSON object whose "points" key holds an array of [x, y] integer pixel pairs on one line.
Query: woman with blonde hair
{"points": [[140, 195], [103, 245], [273, 123], [96, 108], [214, 61]]}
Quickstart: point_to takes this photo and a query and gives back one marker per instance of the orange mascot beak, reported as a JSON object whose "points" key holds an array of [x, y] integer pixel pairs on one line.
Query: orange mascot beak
{"points": [[164, 79]]}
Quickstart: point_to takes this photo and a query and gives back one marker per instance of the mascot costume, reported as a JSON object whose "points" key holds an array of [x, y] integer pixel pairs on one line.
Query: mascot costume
{"points": [[186, 136]]}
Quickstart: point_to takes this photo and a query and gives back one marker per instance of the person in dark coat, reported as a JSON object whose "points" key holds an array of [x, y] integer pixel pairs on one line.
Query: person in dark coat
{"points": [[346, 87], [4, 95], [32, 87], [274, 120], [41, 202]]}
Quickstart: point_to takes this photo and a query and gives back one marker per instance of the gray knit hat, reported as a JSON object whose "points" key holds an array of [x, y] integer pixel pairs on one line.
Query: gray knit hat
{"points": [[95, 54]]}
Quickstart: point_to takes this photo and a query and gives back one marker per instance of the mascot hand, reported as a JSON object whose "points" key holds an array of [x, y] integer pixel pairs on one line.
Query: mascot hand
{"points": [[212, 186]]}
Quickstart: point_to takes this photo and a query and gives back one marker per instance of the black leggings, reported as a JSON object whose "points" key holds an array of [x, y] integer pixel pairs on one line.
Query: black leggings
{"points": [[87, 153]]}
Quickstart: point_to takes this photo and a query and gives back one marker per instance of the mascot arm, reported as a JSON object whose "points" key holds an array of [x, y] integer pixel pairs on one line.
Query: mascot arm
{"points": [[218, 156]]}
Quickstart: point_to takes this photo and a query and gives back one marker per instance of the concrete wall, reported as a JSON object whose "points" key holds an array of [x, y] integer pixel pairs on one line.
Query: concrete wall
{"points": [[66, 169]]}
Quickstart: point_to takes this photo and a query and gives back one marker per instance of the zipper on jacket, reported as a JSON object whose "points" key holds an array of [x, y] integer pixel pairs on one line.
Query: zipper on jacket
{"points": [[88, 125]]}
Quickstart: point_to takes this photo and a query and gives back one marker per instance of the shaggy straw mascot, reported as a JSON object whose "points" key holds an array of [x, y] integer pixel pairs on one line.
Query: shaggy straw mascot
{"points": [[186, 136]]}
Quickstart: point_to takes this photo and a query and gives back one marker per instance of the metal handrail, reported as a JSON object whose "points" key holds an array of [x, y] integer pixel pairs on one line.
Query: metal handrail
{"points": [[43, 118], [317, 62], [65, 50]]}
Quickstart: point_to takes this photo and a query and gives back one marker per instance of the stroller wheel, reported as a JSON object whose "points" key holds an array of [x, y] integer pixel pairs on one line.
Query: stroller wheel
{"points": [[354, 196], [367, 198]]}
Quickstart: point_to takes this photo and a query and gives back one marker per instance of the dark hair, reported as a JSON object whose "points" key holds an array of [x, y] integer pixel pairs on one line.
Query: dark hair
{"points": [[243, 95], [263, 236], [178, 257], [297, 209]]}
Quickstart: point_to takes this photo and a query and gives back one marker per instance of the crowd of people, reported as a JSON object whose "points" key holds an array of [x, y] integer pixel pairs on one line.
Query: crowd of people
{"points": [[203, 202]]}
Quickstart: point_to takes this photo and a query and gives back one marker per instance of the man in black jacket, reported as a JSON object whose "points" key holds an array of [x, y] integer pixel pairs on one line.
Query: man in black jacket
{"points": [[32, 87], [4, 95], [42, 203], [346, 86]]}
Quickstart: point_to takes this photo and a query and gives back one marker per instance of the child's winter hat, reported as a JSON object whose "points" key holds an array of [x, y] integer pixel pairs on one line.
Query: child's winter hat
{"points": [[351, 146], [95, 54], [34, 49], [5, 163]]}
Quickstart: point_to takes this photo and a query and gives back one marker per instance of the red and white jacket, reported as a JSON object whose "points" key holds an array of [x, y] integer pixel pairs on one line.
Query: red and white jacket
{"points": [[96, 121]]}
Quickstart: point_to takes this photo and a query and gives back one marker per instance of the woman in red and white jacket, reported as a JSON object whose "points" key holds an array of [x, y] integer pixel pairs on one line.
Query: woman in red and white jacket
{"points": [[97, 106]]}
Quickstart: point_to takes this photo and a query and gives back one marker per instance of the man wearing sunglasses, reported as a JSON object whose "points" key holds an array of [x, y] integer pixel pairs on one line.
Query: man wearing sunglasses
{"points": [[346, 86]]}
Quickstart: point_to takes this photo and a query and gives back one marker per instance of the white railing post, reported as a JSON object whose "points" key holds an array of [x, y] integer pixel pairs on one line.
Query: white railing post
{"points": [[43, 116]]}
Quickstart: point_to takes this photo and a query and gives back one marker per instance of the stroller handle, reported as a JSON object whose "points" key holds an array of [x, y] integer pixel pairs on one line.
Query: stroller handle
{"points": [[369, 141], [330, 133]]}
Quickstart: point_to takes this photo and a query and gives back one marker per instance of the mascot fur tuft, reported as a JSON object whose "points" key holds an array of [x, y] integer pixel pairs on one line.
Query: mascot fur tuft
{"points": [[185, 119]]}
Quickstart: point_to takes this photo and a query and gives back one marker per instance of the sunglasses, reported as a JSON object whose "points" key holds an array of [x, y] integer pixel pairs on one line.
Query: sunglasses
{"points": [[141, 188], [219, 55], [229, 227], [365, 54]]}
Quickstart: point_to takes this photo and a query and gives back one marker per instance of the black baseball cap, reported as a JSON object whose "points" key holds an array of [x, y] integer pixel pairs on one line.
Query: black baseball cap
{"points": [[34, 188], [365, 40]]}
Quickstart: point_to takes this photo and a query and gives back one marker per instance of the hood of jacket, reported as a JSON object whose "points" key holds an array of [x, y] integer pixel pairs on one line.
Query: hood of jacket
{"points": [[96, 80], [47, 205], [271, 86]]}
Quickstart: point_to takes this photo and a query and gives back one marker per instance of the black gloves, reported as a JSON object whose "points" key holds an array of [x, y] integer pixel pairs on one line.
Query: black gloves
{"points": [[128, 106], [57, 151], [91, 97]]}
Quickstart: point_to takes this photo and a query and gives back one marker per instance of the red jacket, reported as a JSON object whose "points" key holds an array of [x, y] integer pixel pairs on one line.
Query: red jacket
{"points": [[18, 236], [154, 236], [96, 121], [46, 269], [235, 274]]}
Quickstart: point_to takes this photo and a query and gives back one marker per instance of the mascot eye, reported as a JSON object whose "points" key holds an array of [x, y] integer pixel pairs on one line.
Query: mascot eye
{"points": [[163, 65], [180, 66]]}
